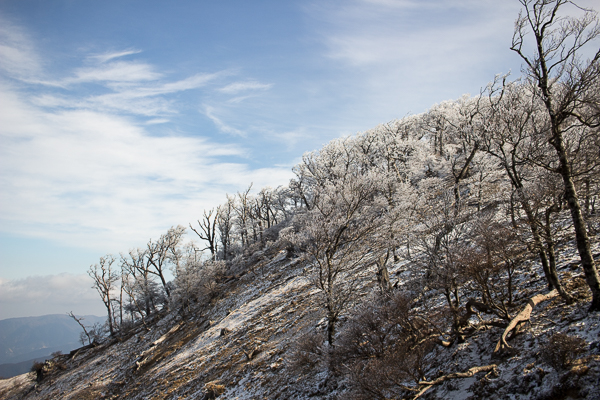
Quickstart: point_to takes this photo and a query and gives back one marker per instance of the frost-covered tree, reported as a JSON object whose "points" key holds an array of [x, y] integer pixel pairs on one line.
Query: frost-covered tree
{"points": [[195, 279], [510, 139], [566, 83], [225, 226], [208, 231], [142, 291], [334, 233], [163, 253], [105, 281]]}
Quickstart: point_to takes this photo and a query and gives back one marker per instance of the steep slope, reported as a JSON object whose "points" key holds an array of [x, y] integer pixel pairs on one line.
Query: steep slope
{"points": [[242, 346]]}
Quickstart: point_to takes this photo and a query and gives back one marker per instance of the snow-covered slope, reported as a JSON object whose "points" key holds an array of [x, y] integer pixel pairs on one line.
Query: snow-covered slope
{"points": [[241, 346]]}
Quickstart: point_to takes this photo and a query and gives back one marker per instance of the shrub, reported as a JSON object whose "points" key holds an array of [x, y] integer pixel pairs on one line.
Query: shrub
{"points": [[308, 352], [38, 368], [213, 389], [385, 346], [561, 350]]}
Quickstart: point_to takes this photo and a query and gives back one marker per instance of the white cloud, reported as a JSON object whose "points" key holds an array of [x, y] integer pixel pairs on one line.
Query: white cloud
{"points": [[210, 112], [50, 294], [156, 121], [118, 71], [422, 4], [84, 171], [17, 55], [237, 87], [291, 138], [401, 57], [104, 57], [129, 103], [90, 178], [192, 82], [128, 95], [394, 34]]}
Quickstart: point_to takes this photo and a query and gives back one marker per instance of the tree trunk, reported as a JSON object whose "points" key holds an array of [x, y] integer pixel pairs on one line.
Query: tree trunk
{"points": [[331, 320], [383, 275], [579, 225], [551, 274], [111, 328]]}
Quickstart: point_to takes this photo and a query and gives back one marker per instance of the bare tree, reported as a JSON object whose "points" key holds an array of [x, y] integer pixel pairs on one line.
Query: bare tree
{"points": [[139, 286], [565, 83], [441, 236], [509, 139], [334, 235], [335, 231], [161, 253], [85, 334], [105, 277], [207, 232], [242, 209], [264, 211], [225, 225]]}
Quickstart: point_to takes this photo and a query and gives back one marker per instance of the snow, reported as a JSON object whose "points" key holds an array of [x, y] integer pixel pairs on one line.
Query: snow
{"points": [[237, 318], [269, 311]]}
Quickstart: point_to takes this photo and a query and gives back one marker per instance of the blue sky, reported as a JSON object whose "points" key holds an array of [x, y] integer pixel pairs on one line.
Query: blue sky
{"points": [[119, 119]]}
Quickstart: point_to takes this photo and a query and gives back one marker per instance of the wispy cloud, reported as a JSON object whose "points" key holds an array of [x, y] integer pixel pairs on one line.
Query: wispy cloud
{"points": [[91, 178], [402, 56], [104, 57], [193, 82], [291, 138], [211, 112], [136, 98], [420, 4], [85, 169], [18, 58], [383, 32], [156, 121], [237, 87], [118, 71]]}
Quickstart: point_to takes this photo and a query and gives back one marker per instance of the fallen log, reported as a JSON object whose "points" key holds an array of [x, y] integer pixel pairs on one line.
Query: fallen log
{"points": [[467, 374], [521, 317]]}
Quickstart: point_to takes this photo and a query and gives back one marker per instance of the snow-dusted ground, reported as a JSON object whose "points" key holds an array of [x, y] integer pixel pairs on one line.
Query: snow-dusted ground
{"points": [[244, 342]]}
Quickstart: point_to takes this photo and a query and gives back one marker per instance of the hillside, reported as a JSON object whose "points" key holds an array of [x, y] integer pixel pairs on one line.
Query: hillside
{"points": [[451, 254], [245, 346]]}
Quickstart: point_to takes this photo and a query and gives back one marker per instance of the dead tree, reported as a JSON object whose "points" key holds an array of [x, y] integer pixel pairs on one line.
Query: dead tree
{"points": [[85, 331], [467, 374]]}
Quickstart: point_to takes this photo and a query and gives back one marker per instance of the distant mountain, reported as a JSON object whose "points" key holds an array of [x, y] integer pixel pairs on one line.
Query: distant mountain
{"points": [[31, 338], [10, 370]]}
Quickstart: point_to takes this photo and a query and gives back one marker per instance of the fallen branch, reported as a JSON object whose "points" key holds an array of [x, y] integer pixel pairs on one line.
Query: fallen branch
{"points": [[166, 335], [521, 317], [467, 374], [143, 358]]}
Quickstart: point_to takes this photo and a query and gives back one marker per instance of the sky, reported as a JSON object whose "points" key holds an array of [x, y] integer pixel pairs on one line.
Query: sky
{"points": [[120, 119]]}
